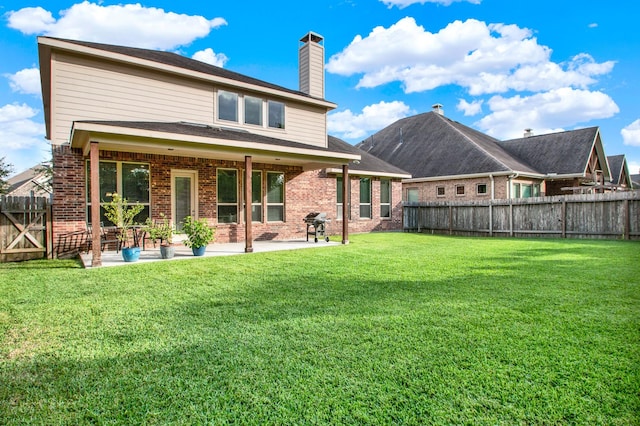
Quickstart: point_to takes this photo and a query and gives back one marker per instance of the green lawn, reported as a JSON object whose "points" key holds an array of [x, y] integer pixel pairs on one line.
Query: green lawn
{"points": [[391, 329]]}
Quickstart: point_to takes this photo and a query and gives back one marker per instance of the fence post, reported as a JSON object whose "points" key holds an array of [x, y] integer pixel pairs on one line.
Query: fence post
{"points": [[563, 219], [627, 220], [450, 219], [511, 217], [49, 230], [491, 218]]}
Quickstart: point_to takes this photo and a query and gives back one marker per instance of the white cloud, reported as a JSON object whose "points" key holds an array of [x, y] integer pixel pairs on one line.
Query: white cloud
{"points": [[374, 117], [634, 167], [404, 3], [210, 57], [545, 112], [484, 58], [631, 134], [26, 81], [593, 25], [21, 137], [128, 24], [469, 108]]}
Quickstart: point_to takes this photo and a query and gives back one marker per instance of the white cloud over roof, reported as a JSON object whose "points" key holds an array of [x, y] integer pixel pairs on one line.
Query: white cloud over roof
{"points": [[546, 112], [210, 57], [349, 125], [631, 134], [483, 58], [128, 25]]}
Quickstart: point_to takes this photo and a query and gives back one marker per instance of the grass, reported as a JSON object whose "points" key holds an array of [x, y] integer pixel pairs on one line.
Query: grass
{"points": [[391, 329]]}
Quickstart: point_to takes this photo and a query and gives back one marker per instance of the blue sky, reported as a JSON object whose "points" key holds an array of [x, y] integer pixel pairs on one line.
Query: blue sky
{"points": [[499, 66]]}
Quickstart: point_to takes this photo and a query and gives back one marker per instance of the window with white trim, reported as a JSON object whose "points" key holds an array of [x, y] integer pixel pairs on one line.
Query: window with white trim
{"points": [[413, 195], [256, 196], [130, 180], [459, 190], [365, 198], [275, 197], [227, 106], [227, 195], [385, 198], [276, 114], [440, 191], [481, 189], [339, 197], [252, 110]]}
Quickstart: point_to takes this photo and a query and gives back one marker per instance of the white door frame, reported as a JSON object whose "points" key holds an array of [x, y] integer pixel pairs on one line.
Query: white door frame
{"points": [[193, 174]]}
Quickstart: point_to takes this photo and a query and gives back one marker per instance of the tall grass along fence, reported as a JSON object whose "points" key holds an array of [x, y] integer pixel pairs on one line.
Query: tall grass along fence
{"points": [[25, 228], [610, 215]]}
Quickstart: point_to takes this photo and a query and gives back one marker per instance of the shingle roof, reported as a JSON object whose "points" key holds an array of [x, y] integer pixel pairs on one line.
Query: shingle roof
{"points": [[431, 145], [562, 153], [616, 164], [203, 130], [368, 162], [170, 58]]}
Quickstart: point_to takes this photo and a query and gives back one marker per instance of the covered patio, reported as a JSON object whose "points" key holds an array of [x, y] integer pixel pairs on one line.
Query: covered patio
{"points": [[112, 258]]}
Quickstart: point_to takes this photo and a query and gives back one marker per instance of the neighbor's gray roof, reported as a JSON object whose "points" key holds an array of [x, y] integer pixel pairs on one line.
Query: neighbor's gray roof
{"points": [[368, 162], [635, 179], [564, 153], [173, 59], [616, 164], [430, 145]]}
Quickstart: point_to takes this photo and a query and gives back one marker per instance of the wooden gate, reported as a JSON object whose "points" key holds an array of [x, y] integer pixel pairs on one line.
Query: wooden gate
{"points": [[25, 228]]}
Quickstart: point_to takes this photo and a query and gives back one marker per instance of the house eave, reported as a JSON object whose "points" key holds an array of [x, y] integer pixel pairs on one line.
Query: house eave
{"points": [[370, 173], [127, 139], [473, 176]]}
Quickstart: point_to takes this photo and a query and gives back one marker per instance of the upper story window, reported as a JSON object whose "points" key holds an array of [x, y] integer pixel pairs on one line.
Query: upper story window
{"points": [[276, 114], [253, 110], [227, 106]]}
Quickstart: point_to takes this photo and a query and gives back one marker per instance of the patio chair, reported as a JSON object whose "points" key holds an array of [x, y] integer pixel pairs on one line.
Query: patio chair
{"points": [[108, 235]]}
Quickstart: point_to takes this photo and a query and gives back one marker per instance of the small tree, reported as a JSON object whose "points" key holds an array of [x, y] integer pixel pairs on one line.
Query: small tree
{"points": [[122, 215], [5, 170]]}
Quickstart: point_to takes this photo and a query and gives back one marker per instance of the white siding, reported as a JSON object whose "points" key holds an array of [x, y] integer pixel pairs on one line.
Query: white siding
{"points": [[90, 90]]}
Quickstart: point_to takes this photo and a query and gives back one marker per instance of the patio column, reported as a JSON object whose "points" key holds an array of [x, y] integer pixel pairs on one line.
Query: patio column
{"points": [[94, 159], [248, 237], [346, 203]]}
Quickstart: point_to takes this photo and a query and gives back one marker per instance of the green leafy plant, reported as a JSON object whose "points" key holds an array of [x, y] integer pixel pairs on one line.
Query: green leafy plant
{"points": [[122, 215], [198, 231], [160, 230]]}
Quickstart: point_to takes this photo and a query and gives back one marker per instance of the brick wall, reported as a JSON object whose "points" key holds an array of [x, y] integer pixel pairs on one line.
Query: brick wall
{"points": [[305, 192]]}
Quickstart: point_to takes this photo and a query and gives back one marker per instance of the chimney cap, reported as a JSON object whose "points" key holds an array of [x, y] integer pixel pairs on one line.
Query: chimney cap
{"points": [[437, 108], [311, 36], [528, 132]]}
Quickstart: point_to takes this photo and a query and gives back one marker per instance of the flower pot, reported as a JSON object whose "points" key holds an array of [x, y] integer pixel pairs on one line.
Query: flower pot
{"points": [[167, 252], [131, 254], [199, 251]]}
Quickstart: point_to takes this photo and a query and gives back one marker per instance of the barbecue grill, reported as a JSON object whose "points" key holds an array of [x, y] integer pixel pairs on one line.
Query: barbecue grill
{"points": [[318, 223]]}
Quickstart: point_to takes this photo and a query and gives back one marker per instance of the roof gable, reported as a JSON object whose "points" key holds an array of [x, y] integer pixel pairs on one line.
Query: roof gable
{"points": [[562, 153]]}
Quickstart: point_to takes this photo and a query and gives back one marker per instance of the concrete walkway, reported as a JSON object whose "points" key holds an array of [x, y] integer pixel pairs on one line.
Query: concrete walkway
{"points": [[111, 258]]}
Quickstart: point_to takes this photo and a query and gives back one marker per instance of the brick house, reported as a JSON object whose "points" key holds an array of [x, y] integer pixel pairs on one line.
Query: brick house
{"points": [[450, 161], [186, 138]]}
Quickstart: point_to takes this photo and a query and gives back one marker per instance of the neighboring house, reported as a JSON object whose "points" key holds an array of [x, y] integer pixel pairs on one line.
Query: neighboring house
{"points": [[33, 182], [450, 161], [620, 177], [635, 180], [186, 138]]}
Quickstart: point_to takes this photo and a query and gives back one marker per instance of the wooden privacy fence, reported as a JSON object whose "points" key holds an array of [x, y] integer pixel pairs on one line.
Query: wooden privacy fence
{"points": [[610, 215], [25, 228]]}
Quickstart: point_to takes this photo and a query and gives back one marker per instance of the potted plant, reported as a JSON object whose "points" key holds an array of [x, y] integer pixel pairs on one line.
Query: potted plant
{"points": [[122, 215], [161, 230], [199, 234]]}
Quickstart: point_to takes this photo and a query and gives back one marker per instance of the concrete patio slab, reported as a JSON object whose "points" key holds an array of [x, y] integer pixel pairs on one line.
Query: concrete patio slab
{"points": [[111, 258]]}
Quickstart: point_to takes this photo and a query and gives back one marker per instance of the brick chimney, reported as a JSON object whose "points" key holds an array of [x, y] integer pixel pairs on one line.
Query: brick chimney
{"points": [[311, 65]]}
